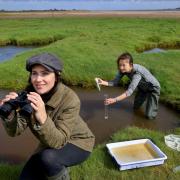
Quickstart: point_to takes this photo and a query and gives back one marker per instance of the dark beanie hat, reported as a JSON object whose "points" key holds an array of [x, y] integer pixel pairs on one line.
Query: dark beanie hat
{"points": [[49, 61]]}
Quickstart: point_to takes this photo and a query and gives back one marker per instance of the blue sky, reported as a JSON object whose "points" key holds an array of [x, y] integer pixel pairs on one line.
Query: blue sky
{"points": [[88, 4], [82, 0]]}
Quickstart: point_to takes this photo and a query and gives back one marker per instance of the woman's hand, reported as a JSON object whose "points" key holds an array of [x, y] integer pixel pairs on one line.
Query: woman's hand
{"points": [[11, 95], [38, 106], [102, 82], [110, 101]]}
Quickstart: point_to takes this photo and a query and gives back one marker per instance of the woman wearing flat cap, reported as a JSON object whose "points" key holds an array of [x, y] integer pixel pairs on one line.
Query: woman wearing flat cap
{"points": [[65, 140]]}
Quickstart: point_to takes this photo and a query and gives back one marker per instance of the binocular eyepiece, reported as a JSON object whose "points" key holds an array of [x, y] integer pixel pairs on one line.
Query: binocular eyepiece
{"points": [[21, 103]]}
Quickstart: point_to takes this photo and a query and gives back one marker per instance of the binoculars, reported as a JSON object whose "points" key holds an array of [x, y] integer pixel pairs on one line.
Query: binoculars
{"points": [[21, 103]]}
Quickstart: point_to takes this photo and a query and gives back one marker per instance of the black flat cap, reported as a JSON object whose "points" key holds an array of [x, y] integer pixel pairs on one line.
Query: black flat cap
{"points": [[49, 61]]}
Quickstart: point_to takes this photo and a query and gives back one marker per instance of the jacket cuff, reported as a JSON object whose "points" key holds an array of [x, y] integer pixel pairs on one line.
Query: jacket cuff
{"points": [[10, 119], [110, 83], [43, 128]]}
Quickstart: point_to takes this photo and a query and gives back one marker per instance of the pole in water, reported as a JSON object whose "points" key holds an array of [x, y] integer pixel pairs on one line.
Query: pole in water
{"points": [[105, 107]]}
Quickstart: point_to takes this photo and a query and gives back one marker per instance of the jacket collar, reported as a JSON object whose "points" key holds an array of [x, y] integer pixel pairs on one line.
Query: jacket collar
{"points": [[57, 96]]}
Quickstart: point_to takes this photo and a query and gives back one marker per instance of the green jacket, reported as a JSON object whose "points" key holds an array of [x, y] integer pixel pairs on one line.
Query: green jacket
{"points": [[62, 125]]}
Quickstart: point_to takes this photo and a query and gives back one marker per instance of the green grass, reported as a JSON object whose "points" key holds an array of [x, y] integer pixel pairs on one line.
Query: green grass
{"points": [[100, 165], [89, 48], [10, 172]]}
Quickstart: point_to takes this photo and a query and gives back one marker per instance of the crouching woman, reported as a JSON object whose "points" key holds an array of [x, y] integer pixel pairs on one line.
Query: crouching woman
{"points": [[65, 140]]}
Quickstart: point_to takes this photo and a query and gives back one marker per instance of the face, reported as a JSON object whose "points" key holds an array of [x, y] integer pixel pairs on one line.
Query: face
{"points": [[42, 79], [125, 66]]}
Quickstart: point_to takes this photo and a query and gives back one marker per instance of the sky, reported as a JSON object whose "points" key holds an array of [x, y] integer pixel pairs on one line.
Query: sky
{"points": [[88, 4]]}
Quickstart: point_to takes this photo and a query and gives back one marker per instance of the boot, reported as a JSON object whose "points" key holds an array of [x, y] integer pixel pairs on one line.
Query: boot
{"points": [[62, 175]]}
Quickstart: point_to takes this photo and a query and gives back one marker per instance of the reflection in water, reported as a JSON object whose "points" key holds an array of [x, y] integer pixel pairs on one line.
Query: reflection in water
{"points": [[120, 115]]}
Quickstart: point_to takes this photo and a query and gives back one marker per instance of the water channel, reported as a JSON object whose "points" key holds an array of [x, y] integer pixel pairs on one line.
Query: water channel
{"points": [[154, 50], [120, 115], [7, 52]]}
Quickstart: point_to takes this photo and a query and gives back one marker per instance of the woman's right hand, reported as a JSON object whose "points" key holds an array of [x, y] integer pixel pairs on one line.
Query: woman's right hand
{"points": [[102, 82], [11, 95]]}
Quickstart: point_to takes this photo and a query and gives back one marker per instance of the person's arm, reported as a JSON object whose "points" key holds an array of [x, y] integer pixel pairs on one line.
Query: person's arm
{"points": [[54, 133], [116, 99], [133, 85], [116, 80], [113, 82], [14, 124], [102, 82]]}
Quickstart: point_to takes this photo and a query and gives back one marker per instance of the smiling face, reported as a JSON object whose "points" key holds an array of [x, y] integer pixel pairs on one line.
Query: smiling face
{"points": [[42, 79], [125, 66]]}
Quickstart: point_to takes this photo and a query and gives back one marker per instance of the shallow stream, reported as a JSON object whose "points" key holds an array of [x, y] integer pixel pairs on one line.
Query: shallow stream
{"points": [[120, 115]]}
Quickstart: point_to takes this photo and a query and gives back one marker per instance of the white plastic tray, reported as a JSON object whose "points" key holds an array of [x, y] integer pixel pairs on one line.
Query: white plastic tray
{"points": [[136, 154]]}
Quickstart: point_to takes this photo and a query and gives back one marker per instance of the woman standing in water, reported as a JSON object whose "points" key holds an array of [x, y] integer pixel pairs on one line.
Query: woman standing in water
{"points": [[53, 108], [147, 86]]}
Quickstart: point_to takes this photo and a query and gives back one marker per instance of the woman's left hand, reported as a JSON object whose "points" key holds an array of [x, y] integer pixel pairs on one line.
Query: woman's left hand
{"points": [[110, 101], [38, 106]]}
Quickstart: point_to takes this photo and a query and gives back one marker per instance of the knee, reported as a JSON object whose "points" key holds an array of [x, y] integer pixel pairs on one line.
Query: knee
{"points": [[47, 158], [48, 161]]}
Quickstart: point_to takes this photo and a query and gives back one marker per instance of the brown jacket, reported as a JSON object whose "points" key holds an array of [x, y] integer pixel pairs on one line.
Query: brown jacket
{"points": [[63, 123]]}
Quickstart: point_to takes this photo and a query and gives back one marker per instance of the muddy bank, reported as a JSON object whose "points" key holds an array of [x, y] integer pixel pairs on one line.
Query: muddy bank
{"points": [[45, 14]]}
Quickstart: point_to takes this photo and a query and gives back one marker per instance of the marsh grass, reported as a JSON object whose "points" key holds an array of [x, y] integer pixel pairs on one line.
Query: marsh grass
{"points": [[10, 172]]}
